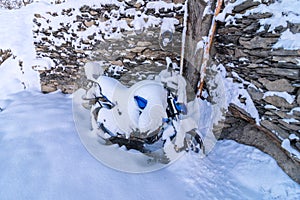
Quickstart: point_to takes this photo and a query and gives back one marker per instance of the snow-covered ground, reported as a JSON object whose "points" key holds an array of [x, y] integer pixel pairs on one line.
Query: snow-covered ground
{"points": [[42, 158]]}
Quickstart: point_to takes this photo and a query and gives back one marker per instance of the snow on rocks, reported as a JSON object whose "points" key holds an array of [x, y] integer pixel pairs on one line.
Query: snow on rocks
{"points": [[265, 53], [106, 31], [286, 144], [287, 97]]}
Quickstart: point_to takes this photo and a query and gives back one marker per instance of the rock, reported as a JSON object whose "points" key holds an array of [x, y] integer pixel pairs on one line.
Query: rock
{"points": [[253, 27], [89, 23], [178, 1], [130, 55], [257, 42], [285, 59], [258, 16], [252, 65], [255, 94], [294, 27], [281, 85], [245, 5], [289, 126], [238, 53], [261, 53], [136, 49], [297, 145], [93, 12], [298, 100], [286, 65], [256, 83], [282, 114], [116, 62], [283, 53], [150, 54], [281, 72], [138, 5], [279, 132], [143, 44], [278, 102], [48, 88], [85, 8], [269, 114], [38, 15]]}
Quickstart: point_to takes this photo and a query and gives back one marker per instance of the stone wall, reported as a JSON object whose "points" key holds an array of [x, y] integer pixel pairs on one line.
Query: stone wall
{"points": [[249, 58], [125, 37]]}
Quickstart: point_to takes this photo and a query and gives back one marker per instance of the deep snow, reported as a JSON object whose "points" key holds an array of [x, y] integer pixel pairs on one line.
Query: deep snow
{"points": [[42, 158]]}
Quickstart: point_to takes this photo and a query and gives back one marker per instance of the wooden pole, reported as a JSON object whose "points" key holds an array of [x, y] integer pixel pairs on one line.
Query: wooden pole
{"points": [[208, 45], [183, 36]]}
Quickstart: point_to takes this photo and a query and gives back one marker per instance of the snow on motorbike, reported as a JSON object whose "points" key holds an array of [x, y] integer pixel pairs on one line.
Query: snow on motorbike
{"points": [[150, 116]]}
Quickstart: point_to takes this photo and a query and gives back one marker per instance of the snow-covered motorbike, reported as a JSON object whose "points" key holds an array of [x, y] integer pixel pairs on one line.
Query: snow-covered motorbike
{"points": [[150, 116]]}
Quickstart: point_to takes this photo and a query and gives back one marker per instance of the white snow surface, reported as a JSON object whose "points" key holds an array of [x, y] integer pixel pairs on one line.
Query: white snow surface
{"points": [[288, 40], [42, 158]]}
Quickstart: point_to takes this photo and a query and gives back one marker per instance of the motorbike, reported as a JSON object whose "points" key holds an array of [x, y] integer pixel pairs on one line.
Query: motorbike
{"points": [[150, 116]]}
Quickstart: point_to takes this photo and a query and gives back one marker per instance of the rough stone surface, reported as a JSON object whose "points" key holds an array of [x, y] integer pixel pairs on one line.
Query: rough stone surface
{"points": [[281, 85], [257, 42], [278, 102], [244, 50], [127, 47], [245, 5]]}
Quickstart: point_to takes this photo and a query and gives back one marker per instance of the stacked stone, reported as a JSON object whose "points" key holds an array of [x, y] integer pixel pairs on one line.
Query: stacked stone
{"points": [[138, 51], [249, 53]]}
